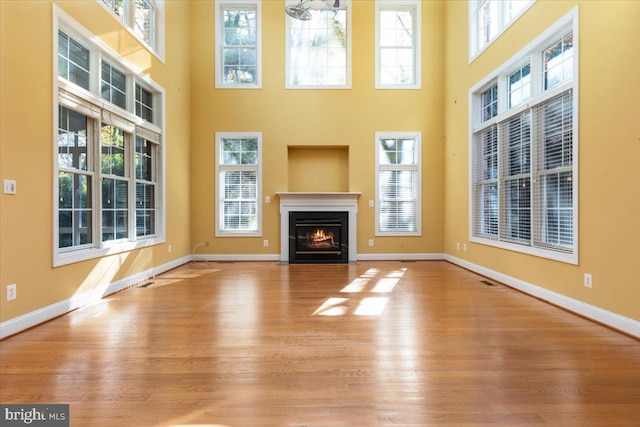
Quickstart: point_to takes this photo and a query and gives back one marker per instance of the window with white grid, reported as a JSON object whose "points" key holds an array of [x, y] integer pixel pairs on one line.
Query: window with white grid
{"points": [[144, 18], [108, 170], [238, 44], [238, 165], [523, 158], [318, 51], [488, 19], [398, 178], [398, 44]]}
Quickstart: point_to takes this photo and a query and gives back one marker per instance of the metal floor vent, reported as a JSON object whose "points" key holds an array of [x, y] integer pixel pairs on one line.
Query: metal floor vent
{"points": [[488, 283], [146, 284]]}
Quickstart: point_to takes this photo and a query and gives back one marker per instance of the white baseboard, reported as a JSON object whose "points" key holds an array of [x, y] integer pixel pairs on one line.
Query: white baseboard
{"points": [[610, 319], [29, 320]]}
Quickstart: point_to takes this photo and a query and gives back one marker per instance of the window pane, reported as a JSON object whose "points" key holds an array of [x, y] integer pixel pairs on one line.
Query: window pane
{"points": [[489, 103], [519, 84], [318, 49], [397, 151], [558, 62], [112, 150], [144, 25], [144, 104], [72, 139], [73, 61], [239, 51], [397, 47], [74, 209]]}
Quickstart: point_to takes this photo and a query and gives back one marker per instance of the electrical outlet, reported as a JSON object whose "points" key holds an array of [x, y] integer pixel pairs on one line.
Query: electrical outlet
{"points": [[169, 248], [458, 245], [265, 243], [10, 186], [370, 203], [267, 199], [11, 292], [464, 247], [588, 280], [370, 242]]}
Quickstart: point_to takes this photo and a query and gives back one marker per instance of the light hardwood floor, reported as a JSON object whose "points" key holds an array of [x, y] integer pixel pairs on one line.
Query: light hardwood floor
{"points": [[372, 344]]}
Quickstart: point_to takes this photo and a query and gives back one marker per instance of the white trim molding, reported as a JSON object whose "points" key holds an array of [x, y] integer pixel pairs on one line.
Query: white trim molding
{"points": [[34, 318], [597, 314], [317, 202]]}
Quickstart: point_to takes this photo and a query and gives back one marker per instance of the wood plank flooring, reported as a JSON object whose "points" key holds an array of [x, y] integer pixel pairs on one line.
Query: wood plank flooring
{"points": [[372, 344]]}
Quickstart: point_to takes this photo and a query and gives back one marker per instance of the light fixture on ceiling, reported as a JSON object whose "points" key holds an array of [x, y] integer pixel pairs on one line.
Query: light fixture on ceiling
{"points": [[301, 10]]}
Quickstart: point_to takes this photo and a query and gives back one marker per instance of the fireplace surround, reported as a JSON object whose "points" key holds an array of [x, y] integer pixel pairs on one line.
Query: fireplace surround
{"points": [[319, 208]]}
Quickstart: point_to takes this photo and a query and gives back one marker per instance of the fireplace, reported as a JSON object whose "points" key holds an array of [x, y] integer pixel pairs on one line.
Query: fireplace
{"points": [[318, 237], [318, 208]]}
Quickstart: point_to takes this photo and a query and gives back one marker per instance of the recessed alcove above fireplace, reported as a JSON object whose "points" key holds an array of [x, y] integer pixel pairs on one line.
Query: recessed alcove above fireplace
{"points": [[318, 208]]}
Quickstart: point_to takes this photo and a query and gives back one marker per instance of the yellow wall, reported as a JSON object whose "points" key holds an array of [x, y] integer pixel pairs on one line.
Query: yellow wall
{"points": [[609, 150], [26, 152], [318, 168], [316, 118]]}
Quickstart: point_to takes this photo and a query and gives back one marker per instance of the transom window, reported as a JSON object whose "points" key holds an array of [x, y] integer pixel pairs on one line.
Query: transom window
{"points": [[238, 40], [238, 165], [318, 51], [143, 17], [519, 85], [73, 61], [108, 170], [398, 177], [490, 18], [114, 85], [398, 44], [523, 157]]}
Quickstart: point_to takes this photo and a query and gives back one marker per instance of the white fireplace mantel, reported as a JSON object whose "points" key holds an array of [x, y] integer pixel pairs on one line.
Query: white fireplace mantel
{"points": [[317, 202]]}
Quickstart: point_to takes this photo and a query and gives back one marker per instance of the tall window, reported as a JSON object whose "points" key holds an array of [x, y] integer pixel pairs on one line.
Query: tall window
{"points": [[398, 44], [318, 51], [238, 42], [489, 18], [523, 160], [142, 17], [108, 167], [398, 177], [238, 166]]}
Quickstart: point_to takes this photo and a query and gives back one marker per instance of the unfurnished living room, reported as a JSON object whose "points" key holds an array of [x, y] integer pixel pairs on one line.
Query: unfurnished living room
{"points": [[319, 212]]}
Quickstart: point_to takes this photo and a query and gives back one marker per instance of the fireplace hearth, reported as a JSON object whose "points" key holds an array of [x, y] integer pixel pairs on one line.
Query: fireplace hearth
{"points": [[318, 237]]}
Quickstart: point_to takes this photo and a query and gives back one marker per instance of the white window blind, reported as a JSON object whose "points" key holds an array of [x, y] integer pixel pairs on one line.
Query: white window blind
{"points": [[523, 176], [398, 183], [238, 200]]}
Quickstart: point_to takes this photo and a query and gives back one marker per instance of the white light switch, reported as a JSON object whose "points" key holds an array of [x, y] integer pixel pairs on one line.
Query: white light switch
{"points": [[9, 186]]}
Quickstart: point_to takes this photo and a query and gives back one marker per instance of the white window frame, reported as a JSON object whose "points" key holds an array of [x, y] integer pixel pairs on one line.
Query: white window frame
{"points": [[221, 6], [219, 192], [401, 5], [539, 96], [504, 22], [157, 43], [98, 111], [415, 167], [318, 5]]}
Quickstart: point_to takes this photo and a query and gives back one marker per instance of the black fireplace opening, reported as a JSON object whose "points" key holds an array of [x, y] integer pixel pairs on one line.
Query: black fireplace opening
{"points": [[318, 237]]}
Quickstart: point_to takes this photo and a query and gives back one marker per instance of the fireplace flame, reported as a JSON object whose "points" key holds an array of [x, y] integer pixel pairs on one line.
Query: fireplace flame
{"points": [[319, 237]]}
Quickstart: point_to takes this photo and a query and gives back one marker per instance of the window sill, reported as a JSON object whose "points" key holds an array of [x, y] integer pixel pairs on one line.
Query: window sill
{"points": [[65, 258], [569, 258]]}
